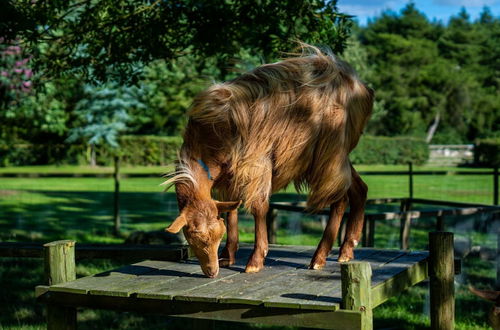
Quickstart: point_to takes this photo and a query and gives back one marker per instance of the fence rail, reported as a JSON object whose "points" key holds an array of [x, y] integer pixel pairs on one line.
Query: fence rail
{"points": [[100, 251], [404, 215]]}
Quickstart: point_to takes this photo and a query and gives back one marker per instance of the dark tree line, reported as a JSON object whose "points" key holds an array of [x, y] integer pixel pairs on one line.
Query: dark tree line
{"points": [[436, 81]]}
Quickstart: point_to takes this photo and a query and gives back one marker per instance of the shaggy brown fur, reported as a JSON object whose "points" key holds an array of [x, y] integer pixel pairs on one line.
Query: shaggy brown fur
{"points": [[292, 121]]}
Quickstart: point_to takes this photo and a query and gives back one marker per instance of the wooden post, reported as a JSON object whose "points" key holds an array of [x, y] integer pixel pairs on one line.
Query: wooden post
{"points": [[371, 235], [59, 262], [495, 185], [498, 262], [272, 225], [410, 179], [356, 290], [440, 222], [116, 213], [366, 232], [441, 273], [405, 226]]}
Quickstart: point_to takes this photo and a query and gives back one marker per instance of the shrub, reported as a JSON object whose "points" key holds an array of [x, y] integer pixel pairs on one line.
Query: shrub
{"points": [[134, 150], [487, 152], [143, 150], [20, 154], [390, 150]]}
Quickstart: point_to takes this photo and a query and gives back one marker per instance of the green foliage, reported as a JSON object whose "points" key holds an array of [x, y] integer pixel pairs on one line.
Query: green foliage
{"points": [[433, 80], [96, 38], [144, 150], [390, 150], [37, 154], [487, 152], [103, 113]]}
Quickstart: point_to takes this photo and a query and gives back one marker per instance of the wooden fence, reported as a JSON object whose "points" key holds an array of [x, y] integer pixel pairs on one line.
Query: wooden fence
{"points": [[410, 173], [100, 251], [404, 215]]}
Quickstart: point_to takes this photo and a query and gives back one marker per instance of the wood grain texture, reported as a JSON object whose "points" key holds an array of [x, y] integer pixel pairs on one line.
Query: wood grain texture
{"points": [[356, 290], [284, 284], [441, 273]]}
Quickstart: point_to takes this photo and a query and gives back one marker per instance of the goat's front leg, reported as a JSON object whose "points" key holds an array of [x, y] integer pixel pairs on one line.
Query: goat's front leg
{"points": [[227, 256], [256, 260]]}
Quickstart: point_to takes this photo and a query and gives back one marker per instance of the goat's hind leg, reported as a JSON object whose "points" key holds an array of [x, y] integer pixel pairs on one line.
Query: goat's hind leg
{"points": [[228, 253], [330, 233], [357, 199], [256, 260]]}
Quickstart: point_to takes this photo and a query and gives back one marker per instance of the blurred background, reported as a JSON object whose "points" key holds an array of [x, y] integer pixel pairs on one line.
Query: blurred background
{"points": [[93, 101]]}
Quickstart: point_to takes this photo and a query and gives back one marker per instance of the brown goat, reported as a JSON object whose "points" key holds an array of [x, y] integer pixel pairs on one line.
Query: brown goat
{"points": [[292, 121], [493, 296]]}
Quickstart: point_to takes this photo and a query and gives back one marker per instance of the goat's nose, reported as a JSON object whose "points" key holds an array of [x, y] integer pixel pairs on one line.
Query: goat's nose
{"points": [[212, 272]]}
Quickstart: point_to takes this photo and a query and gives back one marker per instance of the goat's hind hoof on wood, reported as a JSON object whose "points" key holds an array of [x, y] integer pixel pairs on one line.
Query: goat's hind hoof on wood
{"points": [[317, 263]]}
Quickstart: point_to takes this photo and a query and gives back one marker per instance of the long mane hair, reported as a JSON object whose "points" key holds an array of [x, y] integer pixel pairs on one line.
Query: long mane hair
{"points": [[296, 120]]}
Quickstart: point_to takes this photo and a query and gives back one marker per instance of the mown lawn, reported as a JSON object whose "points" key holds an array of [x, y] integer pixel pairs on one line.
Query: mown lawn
{"points": [[45, 209]]}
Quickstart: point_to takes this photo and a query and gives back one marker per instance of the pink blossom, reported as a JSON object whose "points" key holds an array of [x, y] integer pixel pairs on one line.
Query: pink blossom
{"points": [[27, 84], [18, 70], [4, 74], [28, 73]]}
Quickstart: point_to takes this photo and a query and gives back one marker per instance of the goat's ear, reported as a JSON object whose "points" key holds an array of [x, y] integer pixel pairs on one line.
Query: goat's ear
{"points": [[177, 225], [227, 206], [486, 294]]}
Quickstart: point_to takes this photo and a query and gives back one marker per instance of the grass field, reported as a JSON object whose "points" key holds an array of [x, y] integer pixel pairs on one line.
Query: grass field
{"points": [[45, 209]]}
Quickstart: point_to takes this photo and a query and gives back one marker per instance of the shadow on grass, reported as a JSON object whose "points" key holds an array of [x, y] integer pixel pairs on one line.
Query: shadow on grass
{"points": [[46, 215]]}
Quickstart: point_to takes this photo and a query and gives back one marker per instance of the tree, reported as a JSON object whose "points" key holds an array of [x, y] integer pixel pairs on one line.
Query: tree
{"points": [[96, 37], [103, 115], [434, 81]]}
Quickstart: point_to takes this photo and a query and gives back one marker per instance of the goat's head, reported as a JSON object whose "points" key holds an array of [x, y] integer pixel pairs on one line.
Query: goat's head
{"points": [[204, 228]]}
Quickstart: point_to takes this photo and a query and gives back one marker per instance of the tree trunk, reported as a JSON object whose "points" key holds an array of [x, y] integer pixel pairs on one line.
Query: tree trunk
{"points": [[433, 128], [116, 213], [93, 161]]}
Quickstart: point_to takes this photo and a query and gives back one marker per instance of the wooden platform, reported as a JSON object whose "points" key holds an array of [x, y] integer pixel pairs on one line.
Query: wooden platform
{"points": [[284, 293]]}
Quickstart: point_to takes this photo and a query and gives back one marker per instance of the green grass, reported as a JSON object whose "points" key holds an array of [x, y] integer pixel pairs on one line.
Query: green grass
{"points": [[45, 209], [47, 169]]}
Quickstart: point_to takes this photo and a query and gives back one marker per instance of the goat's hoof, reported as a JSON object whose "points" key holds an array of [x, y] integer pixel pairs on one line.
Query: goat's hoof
{"points": [[317, 263], [225, 262], [344, 259], [316, 266], [253, 268]]}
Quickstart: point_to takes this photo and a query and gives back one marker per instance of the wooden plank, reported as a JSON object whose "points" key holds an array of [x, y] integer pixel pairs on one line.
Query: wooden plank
{"points": [[378, 259], [385, 287], [128, 285], [261, 293], [278, 260], [165, 283], [167, 287], [85, 284], [313, 289], [340, 319]]}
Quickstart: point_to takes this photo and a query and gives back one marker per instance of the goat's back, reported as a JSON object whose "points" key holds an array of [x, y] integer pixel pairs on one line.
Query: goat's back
{"points": [[295, 120]]}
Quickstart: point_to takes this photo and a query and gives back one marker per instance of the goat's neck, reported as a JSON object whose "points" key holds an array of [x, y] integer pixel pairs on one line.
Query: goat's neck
{"points": [[188, 193]]}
